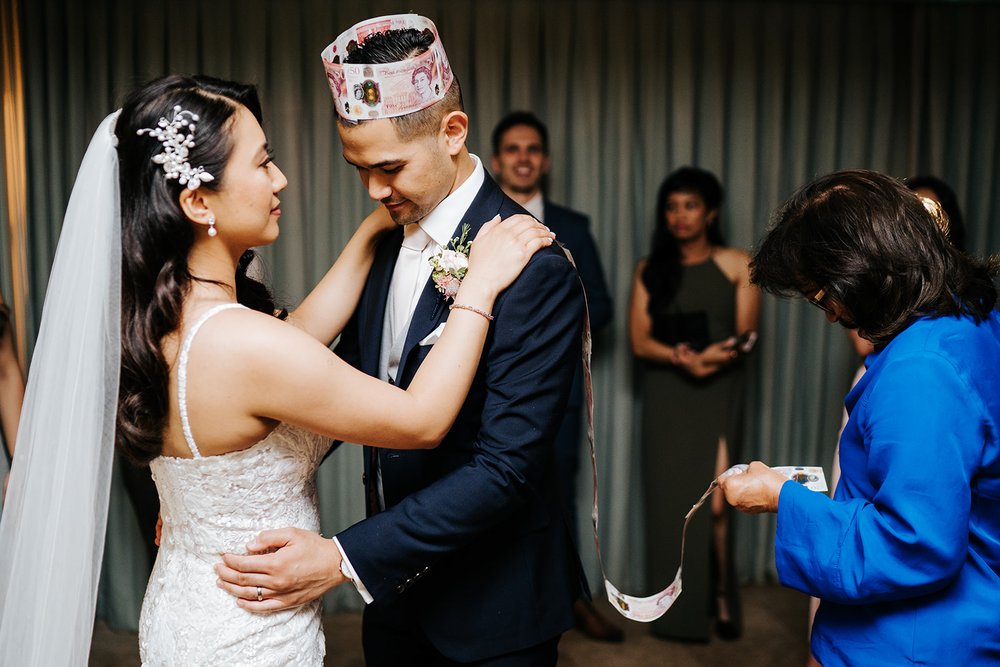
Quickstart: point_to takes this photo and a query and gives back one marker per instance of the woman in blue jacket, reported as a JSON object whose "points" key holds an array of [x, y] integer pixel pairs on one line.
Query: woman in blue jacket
{"points": [[906, 557]]}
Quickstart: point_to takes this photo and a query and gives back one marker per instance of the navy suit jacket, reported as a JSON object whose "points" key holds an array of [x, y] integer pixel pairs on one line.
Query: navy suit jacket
{"points": [[473, 543], [573, 231]]}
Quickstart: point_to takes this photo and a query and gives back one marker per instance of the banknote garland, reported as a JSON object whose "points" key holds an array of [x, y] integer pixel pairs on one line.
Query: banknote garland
{"points": [[649, 608], [634, 608]]}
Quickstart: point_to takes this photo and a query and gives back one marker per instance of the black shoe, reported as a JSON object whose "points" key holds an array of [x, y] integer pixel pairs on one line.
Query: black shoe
{"points": [[593, 625]]}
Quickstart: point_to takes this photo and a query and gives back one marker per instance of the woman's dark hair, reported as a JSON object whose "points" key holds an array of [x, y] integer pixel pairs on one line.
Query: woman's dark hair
{"points": [[867, 240], [662, 274], [949, 202], [156, 239]]}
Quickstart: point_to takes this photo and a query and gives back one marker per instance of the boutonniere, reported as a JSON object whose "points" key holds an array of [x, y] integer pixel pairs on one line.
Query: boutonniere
{"points": [[450, 264]]}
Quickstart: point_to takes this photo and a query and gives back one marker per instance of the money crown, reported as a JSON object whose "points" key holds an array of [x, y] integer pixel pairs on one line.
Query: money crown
{"points": [[369, 92]]}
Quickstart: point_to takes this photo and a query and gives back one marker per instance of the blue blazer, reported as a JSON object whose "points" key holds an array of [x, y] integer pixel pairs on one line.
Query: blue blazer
{"points": [[906, 558], [473, 544]]}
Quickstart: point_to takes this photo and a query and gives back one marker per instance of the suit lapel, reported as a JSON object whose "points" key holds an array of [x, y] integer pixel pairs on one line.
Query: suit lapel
{"points": [[431, 308]]}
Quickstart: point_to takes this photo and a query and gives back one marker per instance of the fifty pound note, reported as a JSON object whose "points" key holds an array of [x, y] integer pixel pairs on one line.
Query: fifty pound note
{"points": [[645, 609], [811, 477]]}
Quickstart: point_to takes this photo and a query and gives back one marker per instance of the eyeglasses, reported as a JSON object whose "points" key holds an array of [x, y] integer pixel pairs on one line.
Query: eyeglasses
{"points": [[818, 298]]}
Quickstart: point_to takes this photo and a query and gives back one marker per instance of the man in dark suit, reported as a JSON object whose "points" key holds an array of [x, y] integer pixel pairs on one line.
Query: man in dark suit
{"points": [[521, 163], [465, 557]]}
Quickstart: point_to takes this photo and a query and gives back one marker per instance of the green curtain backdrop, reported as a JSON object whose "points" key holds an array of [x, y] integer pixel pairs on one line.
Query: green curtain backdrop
{"points": [[765, 94]]}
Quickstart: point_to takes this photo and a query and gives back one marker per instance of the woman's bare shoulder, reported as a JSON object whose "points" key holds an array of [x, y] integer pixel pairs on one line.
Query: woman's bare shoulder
{"points": [[734, 262], [243, 337]]}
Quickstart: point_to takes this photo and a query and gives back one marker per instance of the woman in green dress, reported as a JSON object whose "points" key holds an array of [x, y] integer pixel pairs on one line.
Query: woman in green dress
{"points": [[691, 300]]}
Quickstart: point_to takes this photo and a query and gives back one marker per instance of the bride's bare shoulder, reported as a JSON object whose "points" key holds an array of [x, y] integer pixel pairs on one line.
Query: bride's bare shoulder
{"points": [[250, 334]]}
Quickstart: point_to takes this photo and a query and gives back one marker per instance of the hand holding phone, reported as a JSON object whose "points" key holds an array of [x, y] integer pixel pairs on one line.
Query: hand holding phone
{"points": [[745, 342]]}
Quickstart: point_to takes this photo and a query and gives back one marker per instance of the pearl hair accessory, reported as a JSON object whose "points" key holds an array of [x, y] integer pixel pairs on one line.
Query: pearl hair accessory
{"points": [[176, 143]]}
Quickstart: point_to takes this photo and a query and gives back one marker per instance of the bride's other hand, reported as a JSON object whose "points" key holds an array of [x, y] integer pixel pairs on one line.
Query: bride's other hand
{"points": [[159, 529], [290, 567], [502, 249], [378, 221]]}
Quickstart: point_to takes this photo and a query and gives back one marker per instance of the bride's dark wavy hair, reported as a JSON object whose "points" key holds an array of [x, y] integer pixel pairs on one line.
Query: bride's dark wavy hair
{"points": [[157, 237]]}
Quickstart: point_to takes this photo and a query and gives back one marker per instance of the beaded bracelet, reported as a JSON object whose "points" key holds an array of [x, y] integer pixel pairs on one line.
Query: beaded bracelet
{"points": [[462, 306]]}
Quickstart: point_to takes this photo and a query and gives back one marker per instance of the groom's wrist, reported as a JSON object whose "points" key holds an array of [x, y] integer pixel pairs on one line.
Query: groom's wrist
{"points": [[348, 572]]}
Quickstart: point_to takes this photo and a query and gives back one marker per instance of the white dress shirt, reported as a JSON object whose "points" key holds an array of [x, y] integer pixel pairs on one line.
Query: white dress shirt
{"points": [[439, 226], [536, 207]]}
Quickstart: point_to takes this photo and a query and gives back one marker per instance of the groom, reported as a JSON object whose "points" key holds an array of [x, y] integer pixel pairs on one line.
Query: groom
{"points": [[465, 557]]}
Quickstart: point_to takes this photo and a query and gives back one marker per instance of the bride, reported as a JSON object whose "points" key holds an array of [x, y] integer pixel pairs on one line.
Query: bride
{"points": [[155, 336]]}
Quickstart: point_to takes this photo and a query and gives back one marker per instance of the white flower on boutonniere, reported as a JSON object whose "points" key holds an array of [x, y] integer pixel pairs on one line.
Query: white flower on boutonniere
{"points": [[450, 264]]}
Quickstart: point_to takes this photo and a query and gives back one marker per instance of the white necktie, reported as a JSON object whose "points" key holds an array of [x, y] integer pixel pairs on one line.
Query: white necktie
{"points": [[404, 278]]}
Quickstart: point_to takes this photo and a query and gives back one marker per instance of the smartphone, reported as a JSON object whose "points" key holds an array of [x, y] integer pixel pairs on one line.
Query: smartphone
{"points": [[745, 342]]}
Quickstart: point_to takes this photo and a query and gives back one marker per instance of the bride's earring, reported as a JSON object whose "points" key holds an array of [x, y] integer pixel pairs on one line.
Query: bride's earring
{"points": [[211, 226]]}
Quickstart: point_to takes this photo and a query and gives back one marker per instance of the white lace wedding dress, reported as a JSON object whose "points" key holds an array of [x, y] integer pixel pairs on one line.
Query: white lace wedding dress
{"points": [[217, 504]]}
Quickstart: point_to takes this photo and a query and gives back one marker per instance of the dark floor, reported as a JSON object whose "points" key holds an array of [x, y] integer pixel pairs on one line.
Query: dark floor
{"points": [[774, 636]]}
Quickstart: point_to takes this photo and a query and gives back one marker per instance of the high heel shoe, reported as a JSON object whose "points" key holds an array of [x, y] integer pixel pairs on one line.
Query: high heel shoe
{"points": [[725, 628]]}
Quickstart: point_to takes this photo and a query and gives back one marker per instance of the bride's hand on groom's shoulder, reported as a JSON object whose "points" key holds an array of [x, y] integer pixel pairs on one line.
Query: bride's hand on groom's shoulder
{"points": [[285, 568], [501, 250]]}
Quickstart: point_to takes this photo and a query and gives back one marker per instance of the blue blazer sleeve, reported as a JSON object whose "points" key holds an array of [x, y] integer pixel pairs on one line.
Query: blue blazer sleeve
{"points": [[529, 362], [902, 529]]}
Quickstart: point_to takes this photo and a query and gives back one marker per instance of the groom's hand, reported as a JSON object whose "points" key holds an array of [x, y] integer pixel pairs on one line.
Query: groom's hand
{"points": [[286, 568]]}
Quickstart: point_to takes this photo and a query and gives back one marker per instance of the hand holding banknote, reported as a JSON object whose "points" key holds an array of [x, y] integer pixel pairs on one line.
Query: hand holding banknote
{"points": [[755, 490]]}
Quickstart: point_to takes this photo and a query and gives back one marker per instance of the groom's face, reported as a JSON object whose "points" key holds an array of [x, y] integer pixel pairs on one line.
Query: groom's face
{"points": [[409, 177]]}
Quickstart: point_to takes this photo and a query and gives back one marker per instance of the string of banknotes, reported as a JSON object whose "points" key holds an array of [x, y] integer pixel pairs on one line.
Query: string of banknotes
{"points": [[651, 607]]}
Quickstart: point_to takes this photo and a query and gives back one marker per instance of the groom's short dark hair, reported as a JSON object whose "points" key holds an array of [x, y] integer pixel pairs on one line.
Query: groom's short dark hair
{"points": [[393, 46]]}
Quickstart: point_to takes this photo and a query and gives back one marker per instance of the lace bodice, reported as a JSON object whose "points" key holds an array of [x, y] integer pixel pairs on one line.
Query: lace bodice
{"points": [[216, 504]]}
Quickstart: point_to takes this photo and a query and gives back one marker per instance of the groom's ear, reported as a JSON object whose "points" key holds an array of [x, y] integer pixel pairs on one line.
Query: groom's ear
{"points": [[454, 131]]}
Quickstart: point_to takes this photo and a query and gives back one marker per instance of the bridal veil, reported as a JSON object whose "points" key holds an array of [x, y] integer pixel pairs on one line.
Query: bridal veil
{"points": [[53, 523]]}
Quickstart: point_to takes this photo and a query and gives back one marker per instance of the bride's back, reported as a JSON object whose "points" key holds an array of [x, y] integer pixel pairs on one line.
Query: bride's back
{"points": [[213, 372], [216, 504]]}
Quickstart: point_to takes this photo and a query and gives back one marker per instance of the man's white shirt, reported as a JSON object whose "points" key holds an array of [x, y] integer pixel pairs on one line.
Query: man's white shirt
{"points": [[536, 207]]}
